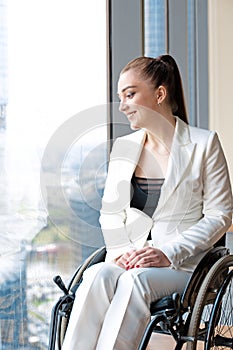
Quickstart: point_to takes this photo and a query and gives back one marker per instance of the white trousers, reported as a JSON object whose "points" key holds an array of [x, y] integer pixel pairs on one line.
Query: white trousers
{"points": [[112, 306]]}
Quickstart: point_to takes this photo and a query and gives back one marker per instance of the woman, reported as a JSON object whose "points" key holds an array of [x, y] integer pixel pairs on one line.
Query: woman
{"points": [[167, 201]]}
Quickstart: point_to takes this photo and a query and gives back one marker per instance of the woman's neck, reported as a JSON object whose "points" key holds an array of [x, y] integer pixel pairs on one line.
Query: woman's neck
{"points": [[160, 134]]}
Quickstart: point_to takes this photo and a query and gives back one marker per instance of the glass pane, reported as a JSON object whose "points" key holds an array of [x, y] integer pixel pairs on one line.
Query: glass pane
{"points": [[154, 27], [53, 155]]}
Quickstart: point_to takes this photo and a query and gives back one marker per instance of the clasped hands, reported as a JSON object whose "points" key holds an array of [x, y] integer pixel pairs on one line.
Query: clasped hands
{"points": [[145, 257]]}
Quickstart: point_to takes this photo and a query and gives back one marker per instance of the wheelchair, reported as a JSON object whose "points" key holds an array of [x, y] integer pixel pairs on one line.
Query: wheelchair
{"points": [[200, 318]]}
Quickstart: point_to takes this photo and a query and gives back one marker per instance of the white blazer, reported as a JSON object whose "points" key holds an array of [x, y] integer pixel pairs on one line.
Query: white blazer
{"points": [[195, 205]]}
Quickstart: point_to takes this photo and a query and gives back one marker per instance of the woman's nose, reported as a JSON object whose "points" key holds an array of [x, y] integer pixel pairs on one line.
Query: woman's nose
{"points": [[123, 106]]}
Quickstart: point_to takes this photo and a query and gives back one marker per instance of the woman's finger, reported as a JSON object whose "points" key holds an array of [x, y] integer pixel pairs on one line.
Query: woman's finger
{"points": [[148, 257]]}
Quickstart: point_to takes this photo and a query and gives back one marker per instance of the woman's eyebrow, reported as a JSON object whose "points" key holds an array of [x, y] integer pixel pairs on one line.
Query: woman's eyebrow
{"points": [[127, 87]]}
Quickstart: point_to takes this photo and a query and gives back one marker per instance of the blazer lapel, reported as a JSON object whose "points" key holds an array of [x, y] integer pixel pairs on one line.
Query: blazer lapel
{"points": [[124, 158], [129, 150], [180, 159]]}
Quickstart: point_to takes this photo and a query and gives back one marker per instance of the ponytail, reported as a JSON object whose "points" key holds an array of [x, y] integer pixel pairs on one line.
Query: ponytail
{"points": [[175, 88]]}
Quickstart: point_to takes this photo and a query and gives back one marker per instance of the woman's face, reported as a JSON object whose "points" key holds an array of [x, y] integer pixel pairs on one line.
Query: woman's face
{"points": [[138, 99]]}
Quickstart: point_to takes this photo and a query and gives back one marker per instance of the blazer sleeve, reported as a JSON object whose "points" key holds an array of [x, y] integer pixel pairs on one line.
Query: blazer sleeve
{"points": [[217, 209]]}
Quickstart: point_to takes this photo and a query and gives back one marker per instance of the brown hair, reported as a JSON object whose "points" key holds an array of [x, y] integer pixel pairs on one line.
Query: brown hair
{"points": [[162, 70]]}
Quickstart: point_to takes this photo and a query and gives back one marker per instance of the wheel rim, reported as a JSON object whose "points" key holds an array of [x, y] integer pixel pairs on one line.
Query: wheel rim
{"points": [[220, 332]]}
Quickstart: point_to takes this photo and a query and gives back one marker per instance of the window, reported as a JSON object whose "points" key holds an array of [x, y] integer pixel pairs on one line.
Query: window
{"points": [[53, 151], [53, 145]]}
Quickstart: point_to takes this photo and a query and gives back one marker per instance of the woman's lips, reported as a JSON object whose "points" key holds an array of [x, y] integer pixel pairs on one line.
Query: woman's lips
{"points": [[131, 115]]}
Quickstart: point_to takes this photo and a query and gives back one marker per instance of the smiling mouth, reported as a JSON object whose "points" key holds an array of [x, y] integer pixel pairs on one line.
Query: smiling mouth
{"points": [[131, 115]]}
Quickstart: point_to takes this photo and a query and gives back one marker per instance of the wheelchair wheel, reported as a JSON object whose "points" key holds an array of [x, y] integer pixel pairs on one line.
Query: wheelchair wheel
{"points": [[204, 305], [220, 329]]}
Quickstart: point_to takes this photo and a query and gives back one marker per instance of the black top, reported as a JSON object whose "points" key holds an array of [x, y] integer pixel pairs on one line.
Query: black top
{"points": [[145, 194]]}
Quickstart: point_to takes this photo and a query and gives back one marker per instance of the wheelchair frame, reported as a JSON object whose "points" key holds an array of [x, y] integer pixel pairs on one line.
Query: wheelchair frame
{"points": [[179, 316]]}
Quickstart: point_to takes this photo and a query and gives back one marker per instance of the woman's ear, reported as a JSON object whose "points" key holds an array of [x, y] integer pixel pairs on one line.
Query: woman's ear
{"points": [[161, 94]]}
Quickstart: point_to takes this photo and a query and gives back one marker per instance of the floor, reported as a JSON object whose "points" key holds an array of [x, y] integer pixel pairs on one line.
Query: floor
{"points": [[161, 342], [165, 342]]}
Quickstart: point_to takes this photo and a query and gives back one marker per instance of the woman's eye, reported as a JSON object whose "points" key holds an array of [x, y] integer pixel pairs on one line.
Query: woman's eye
{"points": [[130, 94]]}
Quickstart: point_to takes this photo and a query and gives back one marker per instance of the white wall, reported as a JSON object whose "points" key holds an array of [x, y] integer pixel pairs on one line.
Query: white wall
{"points": [[221, 73]]}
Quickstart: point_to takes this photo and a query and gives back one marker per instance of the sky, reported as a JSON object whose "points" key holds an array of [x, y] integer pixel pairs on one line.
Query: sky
{"points": [[57, 63]]}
